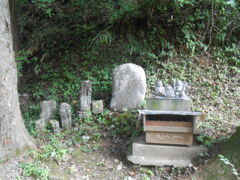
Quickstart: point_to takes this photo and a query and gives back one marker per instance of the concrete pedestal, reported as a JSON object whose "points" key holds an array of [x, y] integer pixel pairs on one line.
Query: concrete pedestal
{"points": [[159, 155], [168, 104]]}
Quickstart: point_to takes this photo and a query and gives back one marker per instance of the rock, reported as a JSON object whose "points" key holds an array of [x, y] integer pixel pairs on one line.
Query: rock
{"points": [[48, 109], [55, 126], [86, 93], [97, 107], [129, 87], [66, 115], [40, 125]]}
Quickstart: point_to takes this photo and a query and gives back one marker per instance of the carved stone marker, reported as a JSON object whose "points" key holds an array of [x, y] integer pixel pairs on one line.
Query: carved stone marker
{"points": [[55, 126], [129, 87], [97, 107], [86, 93], [66, 115], [48, 109]]}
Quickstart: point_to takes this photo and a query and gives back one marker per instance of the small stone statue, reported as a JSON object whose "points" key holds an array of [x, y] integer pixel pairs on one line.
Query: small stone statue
{"points": [[159, 89], [169, 91], [179, 89]]}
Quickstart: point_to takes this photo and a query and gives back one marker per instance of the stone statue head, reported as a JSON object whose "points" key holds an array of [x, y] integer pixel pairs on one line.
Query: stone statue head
{"points": [[169, 91]]}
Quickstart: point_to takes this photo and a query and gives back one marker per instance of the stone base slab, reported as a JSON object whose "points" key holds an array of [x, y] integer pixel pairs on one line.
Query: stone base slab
{"points": [[164, 104], [159, 155]]}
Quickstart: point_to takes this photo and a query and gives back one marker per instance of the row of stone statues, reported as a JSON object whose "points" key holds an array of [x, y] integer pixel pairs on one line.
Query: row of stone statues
{"points": [[176, 91]]}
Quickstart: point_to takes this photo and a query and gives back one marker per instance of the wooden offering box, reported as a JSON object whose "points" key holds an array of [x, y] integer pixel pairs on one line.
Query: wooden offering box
{"points": [[169, 127]]}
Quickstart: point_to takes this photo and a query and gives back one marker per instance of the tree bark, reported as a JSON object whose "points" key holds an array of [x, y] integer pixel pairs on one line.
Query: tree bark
{"points": [[13, 134]]}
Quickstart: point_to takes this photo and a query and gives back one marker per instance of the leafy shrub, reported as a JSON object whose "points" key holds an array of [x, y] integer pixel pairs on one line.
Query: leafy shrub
{"points": [[35, 170]]}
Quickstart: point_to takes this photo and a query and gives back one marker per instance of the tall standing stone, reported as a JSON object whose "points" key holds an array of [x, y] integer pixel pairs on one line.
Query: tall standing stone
{"points": [[66, 116], [86, 93], [85, 100], [129, 87]]}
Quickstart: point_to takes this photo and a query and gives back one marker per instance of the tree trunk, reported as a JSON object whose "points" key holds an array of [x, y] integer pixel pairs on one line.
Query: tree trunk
{"points": [[13, 134]]}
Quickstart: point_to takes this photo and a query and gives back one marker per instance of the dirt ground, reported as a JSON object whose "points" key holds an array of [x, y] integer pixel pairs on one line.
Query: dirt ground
{"points": [[108, 162]]}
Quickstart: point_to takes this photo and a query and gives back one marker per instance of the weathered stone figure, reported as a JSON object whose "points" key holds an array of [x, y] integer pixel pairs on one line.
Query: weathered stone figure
{"points": [[86, 94], [66, 116], [179, 89], [13, 135], [176, 92], [159, 89], [169, 91]]}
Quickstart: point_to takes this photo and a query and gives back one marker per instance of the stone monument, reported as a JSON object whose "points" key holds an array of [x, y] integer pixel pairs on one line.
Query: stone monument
{"points": [[65, 115], [85, 99], [129, 87]]}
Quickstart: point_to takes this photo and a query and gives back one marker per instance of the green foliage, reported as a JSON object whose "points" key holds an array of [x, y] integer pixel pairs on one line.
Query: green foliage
{"points": [[24, 58], [227, 162], [30, 117], [206, 140], [124, 124], [54, 150], [45, 6], [35, 170]]}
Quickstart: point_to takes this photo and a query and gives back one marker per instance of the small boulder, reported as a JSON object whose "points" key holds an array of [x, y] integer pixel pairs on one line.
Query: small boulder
{"points": [[129, 87], [55, 126], [84, 115], [48, 109], [40, 125], [97, 107]]}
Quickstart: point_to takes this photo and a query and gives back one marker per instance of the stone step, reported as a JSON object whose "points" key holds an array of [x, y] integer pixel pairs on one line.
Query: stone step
{"points": [[158, 155]]}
